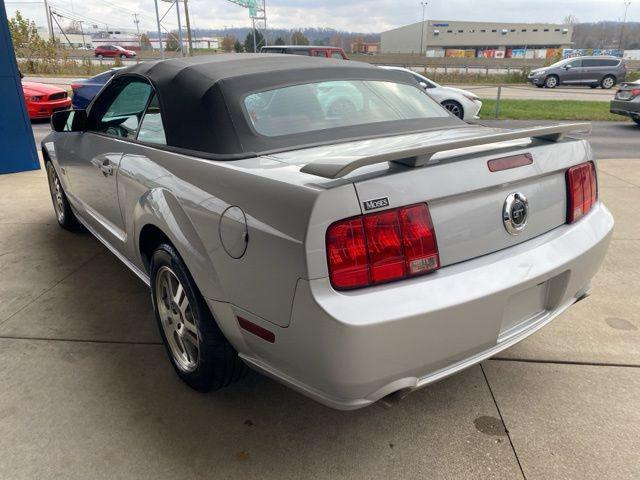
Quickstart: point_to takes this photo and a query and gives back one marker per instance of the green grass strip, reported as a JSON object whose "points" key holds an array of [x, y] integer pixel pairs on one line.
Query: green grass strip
{"points": [[549, 110]]}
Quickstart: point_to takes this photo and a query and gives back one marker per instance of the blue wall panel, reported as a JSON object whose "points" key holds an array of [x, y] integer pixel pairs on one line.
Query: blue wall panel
{"points": [[17, 147]]}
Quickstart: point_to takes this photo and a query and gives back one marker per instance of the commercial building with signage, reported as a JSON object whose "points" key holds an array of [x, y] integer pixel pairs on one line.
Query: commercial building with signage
{"points": [[444, 38]]}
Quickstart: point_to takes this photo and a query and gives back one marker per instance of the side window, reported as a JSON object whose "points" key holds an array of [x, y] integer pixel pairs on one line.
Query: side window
{"points": [[318, 53], [610, 63], [151, 128], [118, 110], [296, 51], [591, 62], [336, 55], [575, 63]]}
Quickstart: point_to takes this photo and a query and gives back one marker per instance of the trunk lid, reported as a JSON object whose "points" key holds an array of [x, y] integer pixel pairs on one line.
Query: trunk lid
{"points": [[465, 198], [467, 201]]}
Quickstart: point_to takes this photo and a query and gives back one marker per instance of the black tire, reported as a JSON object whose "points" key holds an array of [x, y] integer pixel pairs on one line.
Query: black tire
{"points": [[61, 207], [454, 107], [100, 56], [123, 57], [608, 82], [636, 119], [552, 81], [218, 364]]}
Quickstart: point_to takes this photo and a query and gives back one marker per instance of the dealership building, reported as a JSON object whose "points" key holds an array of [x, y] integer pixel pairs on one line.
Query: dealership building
{"points": [[445, 38]]}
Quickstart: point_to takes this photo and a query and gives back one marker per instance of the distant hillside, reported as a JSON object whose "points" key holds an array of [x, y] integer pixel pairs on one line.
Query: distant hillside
{"points": [[606, 35], [585, 35], [316, 36]]}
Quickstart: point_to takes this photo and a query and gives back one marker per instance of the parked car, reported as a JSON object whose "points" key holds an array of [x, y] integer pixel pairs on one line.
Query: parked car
{"points": [[592, 71], [85, 89], [308, 50], [627, 101], [112, 51], [349, 257], [461, 103], [43, 99]]}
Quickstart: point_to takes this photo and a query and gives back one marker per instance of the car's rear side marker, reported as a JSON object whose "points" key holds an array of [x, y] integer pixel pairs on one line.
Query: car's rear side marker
{"points": [[514, 161], [257, 330]]}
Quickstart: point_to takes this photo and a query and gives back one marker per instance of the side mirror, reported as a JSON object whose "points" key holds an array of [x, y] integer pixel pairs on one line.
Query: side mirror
{"points": [[424, 85], [69, 121], [567, 67]]}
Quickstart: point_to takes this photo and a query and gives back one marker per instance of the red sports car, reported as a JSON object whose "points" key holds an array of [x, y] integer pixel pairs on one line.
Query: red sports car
{"points": [[42, 100]]}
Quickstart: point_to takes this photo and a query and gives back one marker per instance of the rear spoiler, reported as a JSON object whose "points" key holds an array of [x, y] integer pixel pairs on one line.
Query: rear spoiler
{"points": [[418, 156]]}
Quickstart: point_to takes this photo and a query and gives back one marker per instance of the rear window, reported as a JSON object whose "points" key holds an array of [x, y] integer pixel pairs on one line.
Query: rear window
{"points": [[333, 104]]}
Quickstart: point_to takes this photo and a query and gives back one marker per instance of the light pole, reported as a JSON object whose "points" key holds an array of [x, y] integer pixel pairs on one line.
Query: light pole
{"points": [[159, 30], [424, 6], [626, 7]]}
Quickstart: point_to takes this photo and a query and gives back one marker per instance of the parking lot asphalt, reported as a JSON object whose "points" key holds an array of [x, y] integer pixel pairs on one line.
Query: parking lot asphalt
{"points": [[608, 139], [87, 390]]}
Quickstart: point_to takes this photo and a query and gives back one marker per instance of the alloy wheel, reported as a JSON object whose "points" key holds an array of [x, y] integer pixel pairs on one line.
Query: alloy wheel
{"points": [[551, 82], [454, 108], [607, 82], [177, 319], [57, 195]]}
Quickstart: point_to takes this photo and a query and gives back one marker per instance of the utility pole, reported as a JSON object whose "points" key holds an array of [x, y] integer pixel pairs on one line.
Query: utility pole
{"points": [[626, 7], [179, 27], [253, 24], [186, 19], [159, 30], [82, 32], [424, 6], [49, 22], [137, 22]]}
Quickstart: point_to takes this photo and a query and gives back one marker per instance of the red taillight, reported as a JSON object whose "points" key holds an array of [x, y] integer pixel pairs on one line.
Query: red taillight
{"points": [[381, 247], [75, 86], [635, 92], [582, 190], [347, 254], [419, 239]]}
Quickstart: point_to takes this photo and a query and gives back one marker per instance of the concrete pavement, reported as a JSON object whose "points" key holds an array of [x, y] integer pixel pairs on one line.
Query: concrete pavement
{"points": [[87, 390]]}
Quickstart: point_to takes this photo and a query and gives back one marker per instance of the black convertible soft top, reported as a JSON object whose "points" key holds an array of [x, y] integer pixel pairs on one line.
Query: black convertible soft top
{"points": [[201, 101]]}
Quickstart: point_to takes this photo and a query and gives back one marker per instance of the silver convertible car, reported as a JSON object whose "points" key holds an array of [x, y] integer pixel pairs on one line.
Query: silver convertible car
{"points": [[350, 253]]}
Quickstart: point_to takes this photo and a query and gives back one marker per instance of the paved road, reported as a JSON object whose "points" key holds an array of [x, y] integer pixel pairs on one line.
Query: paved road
{"points": [[609, 139], [529, 92], [521, 92]]}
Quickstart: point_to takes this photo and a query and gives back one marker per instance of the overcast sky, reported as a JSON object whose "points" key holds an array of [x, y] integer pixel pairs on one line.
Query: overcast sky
{"points": [[370, 16]]}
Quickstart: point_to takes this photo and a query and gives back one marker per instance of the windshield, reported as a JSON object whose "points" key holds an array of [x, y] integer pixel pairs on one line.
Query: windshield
{"points": [[334, 104], [560, 63]]}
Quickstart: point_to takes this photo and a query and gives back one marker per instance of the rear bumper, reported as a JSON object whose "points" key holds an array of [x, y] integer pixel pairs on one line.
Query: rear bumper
{"points": [[629, 108], [349, 349]]}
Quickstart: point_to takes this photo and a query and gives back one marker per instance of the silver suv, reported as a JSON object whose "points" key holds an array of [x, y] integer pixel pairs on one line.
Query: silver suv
{"points": [[593, 71]]}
